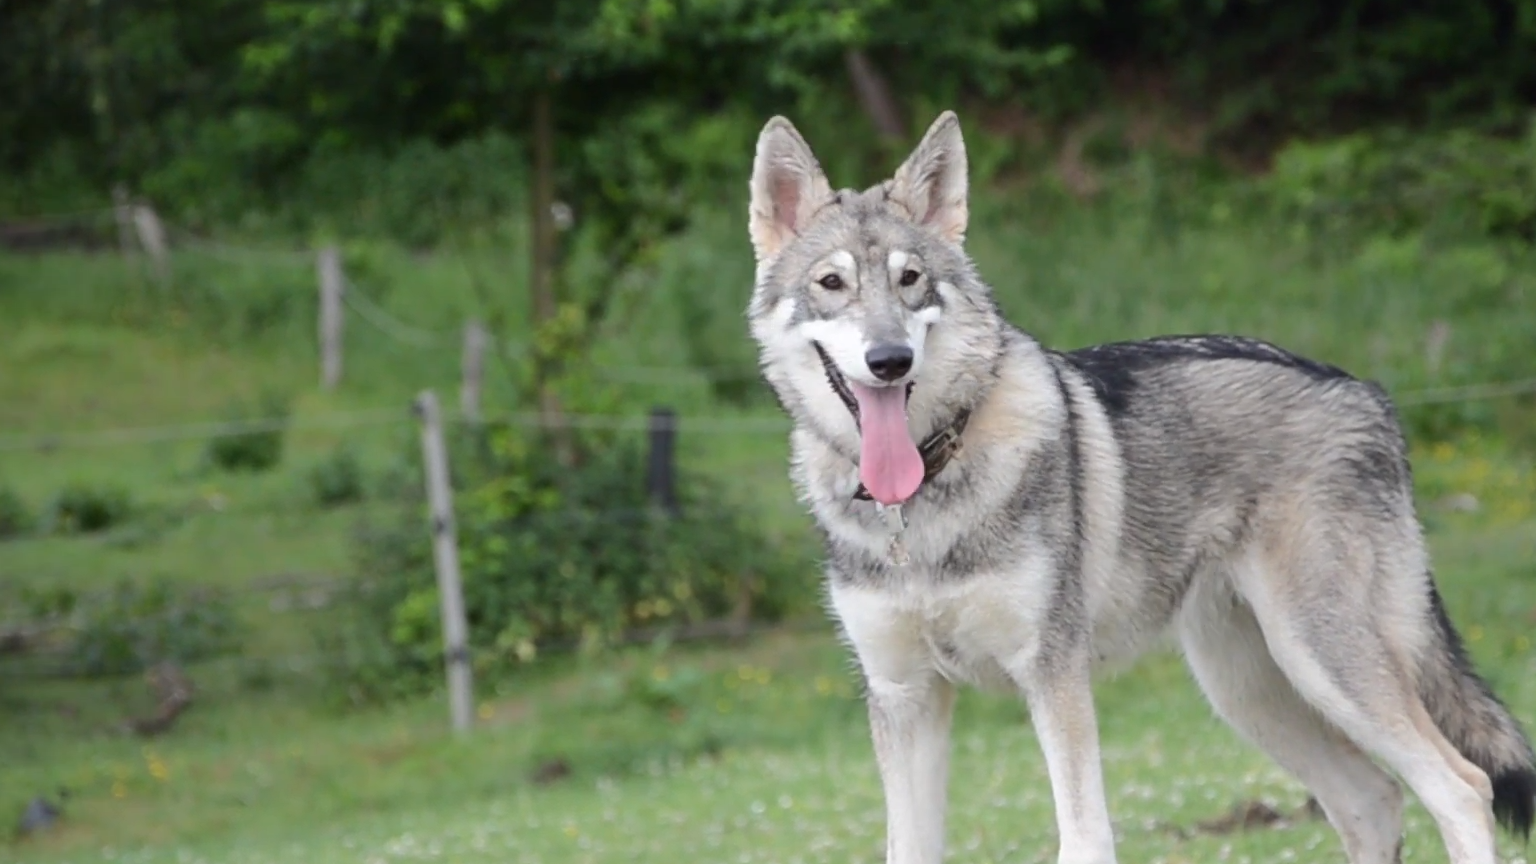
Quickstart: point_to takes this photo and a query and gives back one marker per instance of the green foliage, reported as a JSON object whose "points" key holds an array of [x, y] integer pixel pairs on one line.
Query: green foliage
{"points": [[709, 315], [87, 508], [257, 443], [410, 119], [1451, 185], [121, 86], [138, 624], [15, 518], [181, 96], [338, 479], [413, 195], [202, 153], [241, 303], [558, 557], [1456, 211]]}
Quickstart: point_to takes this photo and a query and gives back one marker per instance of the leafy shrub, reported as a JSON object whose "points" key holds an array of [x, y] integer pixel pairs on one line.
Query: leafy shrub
{"points": [[1398, 183], [401, 195], [258, 446], [87, 509], [15, 519], [134, 626], [198, 184], [337, 480], [710, 320], [556, 557], [239, 303]]}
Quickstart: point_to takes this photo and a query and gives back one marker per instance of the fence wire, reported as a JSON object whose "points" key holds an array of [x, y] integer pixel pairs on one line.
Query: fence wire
{"points": [[384, 322], [391, 326], [702, 424]]}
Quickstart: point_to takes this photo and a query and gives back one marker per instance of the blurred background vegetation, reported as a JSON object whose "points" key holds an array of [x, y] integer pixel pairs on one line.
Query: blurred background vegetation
{"points": [[1353, 180]]}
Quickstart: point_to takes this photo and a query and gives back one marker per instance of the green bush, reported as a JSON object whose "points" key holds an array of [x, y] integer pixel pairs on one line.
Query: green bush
{"points": [[338, 480], [410, 194], [259, 445], [239, 303], [15, 518], [86, 509], [1457, 184], [708, 319], [557, 557], [136, 625]]}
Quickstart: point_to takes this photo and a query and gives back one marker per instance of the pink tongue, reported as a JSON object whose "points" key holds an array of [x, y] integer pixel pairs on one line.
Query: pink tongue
{"points": [[889, 464]]}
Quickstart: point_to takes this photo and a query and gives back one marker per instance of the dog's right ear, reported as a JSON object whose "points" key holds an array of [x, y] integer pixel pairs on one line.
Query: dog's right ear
{"points": [[788, 186]]}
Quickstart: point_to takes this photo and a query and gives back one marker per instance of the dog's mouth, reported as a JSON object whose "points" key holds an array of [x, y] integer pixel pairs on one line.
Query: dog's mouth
{"points": [[839, 383], [890, 465]]}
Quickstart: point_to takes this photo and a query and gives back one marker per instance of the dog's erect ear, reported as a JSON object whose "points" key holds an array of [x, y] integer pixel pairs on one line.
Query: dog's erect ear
{"points": [[933, 184], [787, 187]]}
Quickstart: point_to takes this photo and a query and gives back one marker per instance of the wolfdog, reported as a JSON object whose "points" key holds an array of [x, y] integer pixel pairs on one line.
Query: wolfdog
{"points": [[1000, 514]]}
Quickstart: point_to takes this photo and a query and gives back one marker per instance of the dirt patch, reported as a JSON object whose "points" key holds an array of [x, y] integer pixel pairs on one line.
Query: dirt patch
{"points": [[1249, 816]]}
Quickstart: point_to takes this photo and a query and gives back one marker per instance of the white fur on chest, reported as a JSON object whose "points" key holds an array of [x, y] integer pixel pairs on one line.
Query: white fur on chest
{"points": [[978, 631]]}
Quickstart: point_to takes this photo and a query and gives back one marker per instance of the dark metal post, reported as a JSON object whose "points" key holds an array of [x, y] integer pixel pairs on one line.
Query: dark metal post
{"points": [[661, 473]]}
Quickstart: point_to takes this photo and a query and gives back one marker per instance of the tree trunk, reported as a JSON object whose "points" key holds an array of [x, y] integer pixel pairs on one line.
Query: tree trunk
{"points": [[875, 96], [542, 279]]}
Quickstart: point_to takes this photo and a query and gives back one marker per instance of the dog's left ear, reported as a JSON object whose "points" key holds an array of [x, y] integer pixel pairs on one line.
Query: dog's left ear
{"points": [[933, 184]]}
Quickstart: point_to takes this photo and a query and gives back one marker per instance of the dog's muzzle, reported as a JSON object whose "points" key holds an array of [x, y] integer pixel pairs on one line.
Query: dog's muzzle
{"points": [[839, 383]]}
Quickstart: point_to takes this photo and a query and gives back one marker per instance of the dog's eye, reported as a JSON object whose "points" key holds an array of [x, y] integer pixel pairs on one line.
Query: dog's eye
{"points": [[908, 278], [831, 282]]}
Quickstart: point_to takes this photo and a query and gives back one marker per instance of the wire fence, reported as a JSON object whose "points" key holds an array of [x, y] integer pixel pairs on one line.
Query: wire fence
{"points": [[131, 435], [381, 320], [391, 326], [1467, 393], [42, 665], [63, 217], [293, 593], [376, 316], [700, 424]]}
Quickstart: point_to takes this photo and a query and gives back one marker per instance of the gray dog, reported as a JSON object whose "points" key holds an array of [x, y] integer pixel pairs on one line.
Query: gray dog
{"points": [[1000, 514]]}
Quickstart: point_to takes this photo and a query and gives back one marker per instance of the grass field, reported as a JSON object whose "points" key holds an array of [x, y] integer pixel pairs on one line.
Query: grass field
{"points": [[744, 752]]}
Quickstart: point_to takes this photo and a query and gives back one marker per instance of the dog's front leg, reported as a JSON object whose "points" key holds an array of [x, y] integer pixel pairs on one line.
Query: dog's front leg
{"points": [[910, 709], [1060, 696], [909, 721]]}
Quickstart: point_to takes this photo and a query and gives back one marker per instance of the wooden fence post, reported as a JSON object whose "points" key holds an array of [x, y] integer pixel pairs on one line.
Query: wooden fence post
{"points": [[445, 550], [661, 469], [152, 237], [472, 367], [332, 284]]}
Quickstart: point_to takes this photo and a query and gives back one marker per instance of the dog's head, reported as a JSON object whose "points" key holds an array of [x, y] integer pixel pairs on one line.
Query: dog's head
{"points": [[866, 301]]}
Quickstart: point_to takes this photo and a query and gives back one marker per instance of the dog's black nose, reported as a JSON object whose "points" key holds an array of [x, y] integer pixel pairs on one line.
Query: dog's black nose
{"points": [[889, 362]]}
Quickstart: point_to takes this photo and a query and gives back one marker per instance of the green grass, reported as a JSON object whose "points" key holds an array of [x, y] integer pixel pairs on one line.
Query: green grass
{"points": [[742, 753], [754, 753]]}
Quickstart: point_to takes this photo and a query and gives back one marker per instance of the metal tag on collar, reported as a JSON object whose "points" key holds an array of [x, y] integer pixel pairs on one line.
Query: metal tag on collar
{"points": [[895, 519]]}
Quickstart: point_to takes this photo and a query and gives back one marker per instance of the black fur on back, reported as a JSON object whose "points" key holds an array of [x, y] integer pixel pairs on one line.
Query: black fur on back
{"points": [[1113, 367]]}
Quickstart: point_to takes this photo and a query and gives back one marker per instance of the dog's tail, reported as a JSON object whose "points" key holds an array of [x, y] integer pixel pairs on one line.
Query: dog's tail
{"points": [[1478, 724]]}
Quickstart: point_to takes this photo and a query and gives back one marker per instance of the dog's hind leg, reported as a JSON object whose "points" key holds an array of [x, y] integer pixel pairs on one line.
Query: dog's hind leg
{"points": [[1226, 652], [1333, 602]]}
